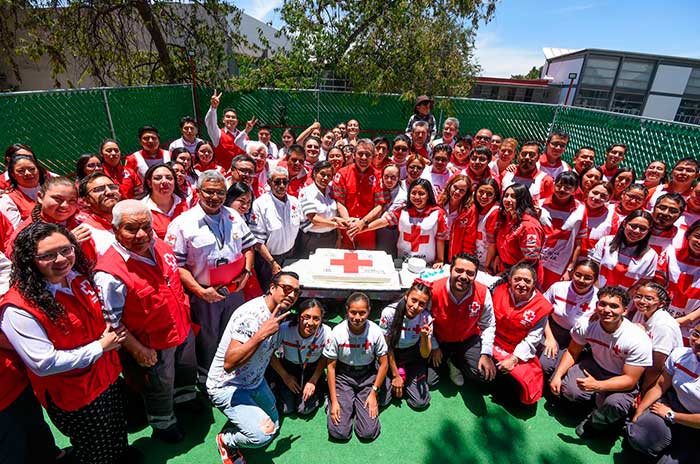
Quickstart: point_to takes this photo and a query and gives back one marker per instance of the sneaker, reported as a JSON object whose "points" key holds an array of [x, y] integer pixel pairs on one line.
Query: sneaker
{"points": [[455, 374], [172, 434], [228, 455]]}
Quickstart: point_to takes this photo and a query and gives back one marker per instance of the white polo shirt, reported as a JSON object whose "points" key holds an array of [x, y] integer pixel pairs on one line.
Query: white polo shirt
{"points": [[663, 330], [313, 201], [276, 223], [299, 350], [356, 350], [568, 305], [410, 328], [684, 366], [627, 345], [200, 240]]}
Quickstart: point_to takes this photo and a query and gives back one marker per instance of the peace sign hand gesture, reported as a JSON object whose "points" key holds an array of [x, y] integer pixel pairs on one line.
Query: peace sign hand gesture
{"points": [[216, 99], [272, 325], [250, 124], [427, 329]]}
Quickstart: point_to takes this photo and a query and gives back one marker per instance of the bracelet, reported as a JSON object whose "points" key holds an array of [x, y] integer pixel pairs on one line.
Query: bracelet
{"points": [[375, 389], [248, 271]]}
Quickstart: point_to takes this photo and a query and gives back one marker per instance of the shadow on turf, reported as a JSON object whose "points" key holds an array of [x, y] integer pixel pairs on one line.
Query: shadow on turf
{"points": [[196, 429], [498, 438]]}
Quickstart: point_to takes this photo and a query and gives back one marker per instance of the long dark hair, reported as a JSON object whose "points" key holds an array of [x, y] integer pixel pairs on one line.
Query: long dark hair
{"points": [[17, 158], [30, 282], [236, 190], [619, 239], [307, 304], [491, 182], [427, 186], [147, 189], [523, 202], [397, 323]]}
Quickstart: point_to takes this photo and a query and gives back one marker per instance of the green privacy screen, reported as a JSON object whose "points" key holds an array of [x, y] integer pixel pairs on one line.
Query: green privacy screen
{"points": [[61, 125]]}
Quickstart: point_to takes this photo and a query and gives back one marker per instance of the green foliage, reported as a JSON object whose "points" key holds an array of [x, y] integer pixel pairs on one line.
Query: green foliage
{"points": [[534, 73], [397, 46], [122, 42]]}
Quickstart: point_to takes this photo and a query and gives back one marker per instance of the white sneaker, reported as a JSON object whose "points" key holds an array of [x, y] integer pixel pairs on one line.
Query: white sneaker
{"points": [[455, 374]]}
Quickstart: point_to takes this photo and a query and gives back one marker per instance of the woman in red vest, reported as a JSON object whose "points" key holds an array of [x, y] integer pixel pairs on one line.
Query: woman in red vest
{"points": [[456, 200], [521, 315], [26, 177], [162, 195], [52, 317], [57, 202], [126, 178]]}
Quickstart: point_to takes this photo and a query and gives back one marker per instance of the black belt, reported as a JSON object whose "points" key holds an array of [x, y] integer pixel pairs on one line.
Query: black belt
{"points": [[342, 367], [321, 234]]}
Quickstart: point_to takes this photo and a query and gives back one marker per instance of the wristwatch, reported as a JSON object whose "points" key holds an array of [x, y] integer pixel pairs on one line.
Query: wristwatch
{"points": [[670, 417], [375, 388]]}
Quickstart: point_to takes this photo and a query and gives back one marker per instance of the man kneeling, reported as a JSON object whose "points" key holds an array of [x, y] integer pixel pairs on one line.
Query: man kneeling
{"points": [[620, 351]]}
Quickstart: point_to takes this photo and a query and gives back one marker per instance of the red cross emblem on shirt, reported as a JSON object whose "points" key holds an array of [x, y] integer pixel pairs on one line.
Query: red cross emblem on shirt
{"points": [[294, 207], [617, 350], [415, 238], [415, 329], [368, 345], [351, 263], [585, 307]]}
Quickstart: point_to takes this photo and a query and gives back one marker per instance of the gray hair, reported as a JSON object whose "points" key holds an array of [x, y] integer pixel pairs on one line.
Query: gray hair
{"points": [[422, 124], [210, 175], [452, 121], [128, 207], [366, 143], [253, 146], [279, 170]]}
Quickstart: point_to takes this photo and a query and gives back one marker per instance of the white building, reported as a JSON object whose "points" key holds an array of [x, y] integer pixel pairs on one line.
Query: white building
{"points": [[656, 86]]}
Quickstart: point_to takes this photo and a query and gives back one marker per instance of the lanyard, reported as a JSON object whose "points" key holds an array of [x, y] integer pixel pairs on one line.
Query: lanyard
{"points": [[209, 222]]}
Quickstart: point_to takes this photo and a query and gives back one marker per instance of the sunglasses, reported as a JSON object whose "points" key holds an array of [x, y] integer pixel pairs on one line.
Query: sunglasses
{"points": [[289, 289], [279, 182]]}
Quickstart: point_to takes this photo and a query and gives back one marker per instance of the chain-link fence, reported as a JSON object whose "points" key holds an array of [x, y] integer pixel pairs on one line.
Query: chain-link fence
{"points": [[61, 125]]}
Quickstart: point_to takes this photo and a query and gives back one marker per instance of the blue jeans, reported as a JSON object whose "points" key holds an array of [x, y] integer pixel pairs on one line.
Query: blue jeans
{"points": [[252, 413]]}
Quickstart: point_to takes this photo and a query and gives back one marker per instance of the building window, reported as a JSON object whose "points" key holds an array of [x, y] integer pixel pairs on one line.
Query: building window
{"points": [[589, 98], [693, 86], [635, 75], [510, 95], [629, 103], [528, 95], [600, 71], [688, 111]]}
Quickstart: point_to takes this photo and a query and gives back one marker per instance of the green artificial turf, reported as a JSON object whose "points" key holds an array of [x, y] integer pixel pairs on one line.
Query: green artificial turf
{"points": [[468, 425]]}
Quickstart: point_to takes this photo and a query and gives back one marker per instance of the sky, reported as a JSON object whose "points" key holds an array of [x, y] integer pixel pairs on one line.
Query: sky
{"points": [[512, 42]]}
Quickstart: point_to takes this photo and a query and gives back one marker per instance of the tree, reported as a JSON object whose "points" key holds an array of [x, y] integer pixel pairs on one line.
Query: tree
{"points": [[403, 46], [534, 73], [122, 42]]}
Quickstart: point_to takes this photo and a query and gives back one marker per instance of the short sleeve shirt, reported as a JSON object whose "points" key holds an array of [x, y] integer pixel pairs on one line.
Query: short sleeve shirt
{"points": [[356, 350], [299, 350]]}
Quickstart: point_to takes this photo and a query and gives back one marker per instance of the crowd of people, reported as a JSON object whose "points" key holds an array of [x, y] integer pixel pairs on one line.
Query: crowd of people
{"points": [[152, 276]]}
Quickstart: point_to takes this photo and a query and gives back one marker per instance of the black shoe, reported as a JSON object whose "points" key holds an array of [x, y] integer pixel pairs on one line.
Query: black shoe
{"points": [[194, 406], [173, 434], [585, 429]]}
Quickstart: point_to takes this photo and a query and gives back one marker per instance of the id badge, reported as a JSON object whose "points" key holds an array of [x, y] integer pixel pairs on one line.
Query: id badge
{"points": [[220, 262]]}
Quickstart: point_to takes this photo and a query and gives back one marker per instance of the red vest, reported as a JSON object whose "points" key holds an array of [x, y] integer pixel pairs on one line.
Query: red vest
{"points": [[88, 246], [514, 323], [126, 178], [156, 310], [161, 221], [463, 233], [227, 149], [452, 322], [24, 204], [13, 378], [84, 324]]}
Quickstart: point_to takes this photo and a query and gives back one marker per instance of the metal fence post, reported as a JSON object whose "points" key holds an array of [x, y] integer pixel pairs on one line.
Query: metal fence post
{"points": [[109, 114]]}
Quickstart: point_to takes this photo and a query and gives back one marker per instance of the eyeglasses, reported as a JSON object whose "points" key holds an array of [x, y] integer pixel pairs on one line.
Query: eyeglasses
{"points": [[279, 182], [648, 298], [440, 159], [400, 148], [694, 334], [51, 256], [244, 172], [390, 177], [103, 188], [364, 154], [483, 137], [212, 193], [289, 289], [558, 144], [93, 165]]}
